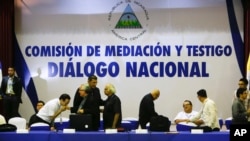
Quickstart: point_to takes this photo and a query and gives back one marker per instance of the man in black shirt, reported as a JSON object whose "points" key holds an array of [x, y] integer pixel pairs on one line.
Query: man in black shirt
{"points": [[92, 103], [147, 110]]}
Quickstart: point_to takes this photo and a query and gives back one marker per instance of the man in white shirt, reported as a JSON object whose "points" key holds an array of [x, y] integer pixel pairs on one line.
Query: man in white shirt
{"points": [[52, 109], [207, 116], [187, 113]]}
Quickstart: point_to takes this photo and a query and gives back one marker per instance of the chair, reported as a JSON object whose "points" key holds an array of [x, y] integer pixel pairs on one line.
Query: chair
{"points": [[183, 126], [101, 124], [134, 122], [19, 122], [126, 125], [61, 123], [220, 122], [148, 126], [228, 122], [39, 126]]}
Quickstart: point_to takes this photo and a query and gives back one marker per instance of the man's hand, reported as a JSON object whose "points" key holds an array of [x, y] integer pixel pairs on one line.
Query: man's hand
{"points": [[198, 122], [81, 111], [63, 108]]}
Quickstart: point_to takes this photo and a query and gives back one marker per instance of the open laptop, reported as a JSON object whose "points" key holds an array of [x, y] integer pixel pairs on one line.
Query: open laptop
{"points": [[81, 122]]}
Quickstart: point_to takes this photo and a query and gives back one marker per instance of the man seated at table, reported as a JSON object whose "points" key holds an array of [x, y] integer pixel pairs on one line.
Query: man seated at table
{"points": [[187, 113], [147, 107], [39, 105]]}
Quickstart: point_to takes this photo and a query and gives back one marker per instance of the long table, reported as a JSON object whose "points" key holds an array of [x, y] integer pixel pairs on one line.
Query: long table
{"points": [[121, 136]]}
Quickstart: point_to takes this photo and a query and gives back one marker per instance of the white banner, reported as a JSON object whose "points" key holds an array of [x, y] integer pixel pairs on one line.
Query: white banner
{"points": [[178, 46]]}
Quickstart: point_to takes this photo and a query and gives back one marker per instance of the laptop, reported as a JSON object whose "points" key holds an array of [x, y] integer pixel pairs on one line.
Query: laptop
{"points": [[81, 122]]}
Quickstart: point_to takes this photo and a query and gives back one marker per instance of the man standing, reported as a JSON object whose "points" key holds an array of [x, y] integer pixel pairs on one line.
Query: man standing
{"points": [[147, 109], [243, 83], [207, 117], [11, 91], [112, 114], [94, 100], [239, 112]]}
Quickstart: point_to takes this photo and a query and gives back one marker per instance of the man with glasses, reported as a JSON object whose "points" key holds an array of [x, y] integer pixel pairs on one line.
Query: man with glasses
{"points": [[93, 100], [186, 114]]}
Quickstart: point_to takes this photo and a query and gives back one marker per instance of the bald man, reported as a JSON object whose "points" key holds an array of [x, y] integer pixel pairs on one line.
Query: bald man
{"points": [[147, 108]]}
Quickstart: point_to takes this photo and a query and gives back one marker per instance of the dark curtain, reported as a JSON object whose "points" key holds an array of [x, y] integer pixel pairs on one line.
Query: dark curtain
{"points": [[6, 36], [6, 33], [246, 6]]}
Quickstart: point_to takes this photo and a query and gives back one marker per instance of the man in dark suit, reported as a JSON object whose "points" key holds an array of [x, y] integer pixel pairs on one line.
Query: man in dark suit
{"points": [[11, 91], [92, 103]]}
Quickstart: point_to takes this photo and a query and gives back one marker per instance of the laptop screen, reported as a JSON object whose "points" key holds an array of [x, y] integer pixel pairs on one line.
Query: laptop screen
{"points": [[81, 122]]}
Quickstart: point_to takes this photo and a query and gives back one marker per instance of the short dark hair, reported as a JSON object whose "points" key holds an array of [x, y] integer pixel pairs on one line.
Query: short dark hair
{"points": [[64, 96], [40, 101], [244, 80], [91, 77], [188, 102], [240, 91], [12, 68], [202, 93]]}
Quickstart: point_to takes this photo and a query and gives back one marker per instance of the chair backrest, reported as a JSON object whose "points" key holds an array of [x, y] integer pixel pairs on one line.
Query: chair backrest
{"points": [[221, 122], [134, 122], [19, 122], [183, 126], [127, 125], [2, 120], [228, 122], [61, 123], [40, 126]]}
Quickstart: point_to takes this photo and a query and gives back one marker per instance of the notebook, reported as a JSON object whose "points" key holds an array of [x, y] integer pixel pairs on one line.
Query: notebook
{"points": [[81, 122]]}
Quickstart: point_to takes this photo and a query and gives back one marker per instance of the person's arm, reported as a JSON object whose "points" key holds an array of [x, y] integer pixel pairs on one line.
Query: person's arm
{"points": [[117, 110], [151, 108], [58, 112], [19, 86], [236, 108], [196, 119], [116, 118], [180, 120], [2, 88]]}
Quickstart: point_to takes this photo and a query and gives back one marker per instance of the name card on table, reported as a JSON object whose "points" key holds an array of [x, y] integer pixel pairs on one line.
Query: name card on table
{"points": [[196, 131], [69, 130], [111, 131], [141, 131], [22, 131]]}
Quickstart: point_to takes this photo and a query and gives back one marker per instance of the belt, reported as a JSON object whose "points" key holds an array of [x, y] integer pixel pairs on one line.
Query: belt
{"points": [[10, 94]]}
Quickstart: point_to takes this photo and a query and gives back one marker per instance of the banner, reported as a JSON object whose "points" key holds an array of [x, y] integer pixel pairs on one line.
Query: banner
{"points": [[248, 71], [177, 46]]}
